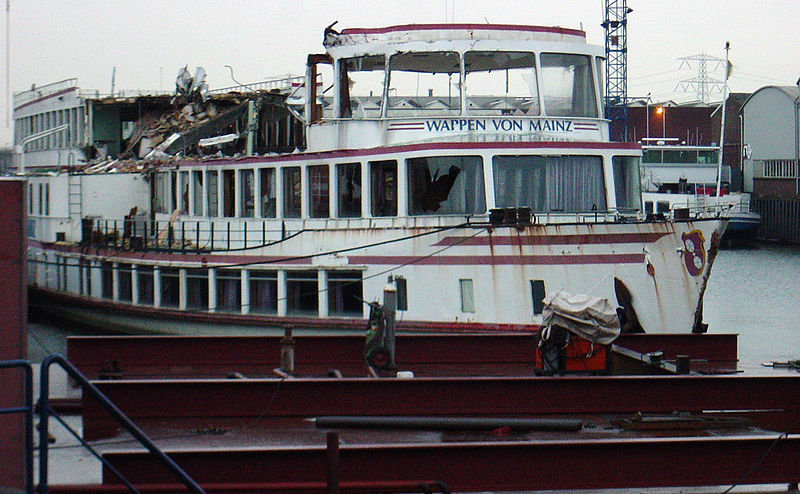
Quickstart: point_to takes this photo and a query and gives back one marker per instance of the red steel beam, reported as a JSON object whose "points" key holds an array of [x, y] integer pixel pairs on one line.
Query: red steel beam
{"points": [[140, 356], [501, 466], [712, 347], [207, 355], [482, 396]]}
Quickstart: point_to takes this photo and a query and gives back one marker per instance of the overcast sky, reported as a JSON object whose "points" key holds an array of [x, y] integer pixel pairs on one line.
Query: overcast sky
{"points": [[148, 41]]}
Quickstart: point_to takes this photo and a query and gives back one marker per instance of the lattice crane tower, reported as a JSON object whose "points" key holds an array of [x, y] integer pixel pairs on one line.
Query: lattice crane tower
{"points": [[616, 97]]}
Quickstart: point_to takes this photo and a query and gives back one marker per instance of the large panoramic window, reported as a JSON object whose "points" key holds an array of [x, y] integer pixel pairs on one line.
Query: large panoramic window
{"points": [[627, 183], [424, 83], [568, 86], [361, 83], [501, 83], [549, 183], [445, 185]]}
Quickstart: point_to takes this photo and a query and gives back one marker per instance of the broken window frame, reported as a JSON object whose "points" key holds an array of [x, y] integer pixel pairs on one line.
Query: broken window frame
{"points": [[512, 78], [418, 70], [352, 105], [429, 176]]}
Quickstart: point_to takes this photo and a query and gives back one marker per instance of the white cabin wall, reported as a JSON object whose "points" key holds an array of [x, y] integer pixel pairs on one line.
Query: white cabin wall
{"points": [[112, 196]]}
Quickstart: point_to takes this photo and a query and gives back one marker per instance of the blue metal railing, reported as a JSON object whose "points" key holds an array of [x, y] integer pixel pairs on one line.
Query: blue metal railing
{"points": [[45, 411], [28, 411]]}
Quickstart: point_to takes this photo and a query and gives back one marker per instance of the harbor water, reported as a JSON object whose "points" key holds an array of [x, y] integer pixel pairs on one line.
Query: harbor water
{"points": [[753, 291]]}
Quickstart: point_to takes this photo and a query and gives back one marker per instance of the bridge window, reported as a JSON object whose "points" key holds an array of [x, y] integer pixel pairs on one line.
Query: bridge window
{"points": [[319, 188], [383, 175], [349, 190], [501, 83], [361, 84], [627, 183], [568, 86], [424, 84], [550, 183], [446, 185]]}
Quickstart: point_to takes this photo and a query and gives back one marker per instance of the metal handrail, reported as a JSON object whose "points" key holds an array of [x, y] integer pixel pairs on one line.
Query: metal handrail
{"points": [[87, 386], [28, 411]]}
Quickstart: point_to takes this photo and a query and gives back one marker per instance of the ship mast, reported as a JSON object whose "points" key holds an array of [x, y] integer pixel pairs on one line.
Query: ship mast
{"points": [[722, 118]]}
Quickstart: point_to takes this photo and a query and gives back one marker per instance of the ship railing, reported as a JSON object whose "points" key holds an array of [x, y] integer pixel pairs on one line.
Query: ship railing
{"points": [[281, 83], [140, 233], [182, 236], [46, 411], [36, 92]]}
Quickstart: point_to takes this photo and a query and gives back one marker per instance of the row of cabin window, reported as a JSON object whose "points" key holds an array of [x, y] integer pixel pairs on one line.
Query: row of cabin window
{"points": [[436, 185], [344, 289], [34, 124]]}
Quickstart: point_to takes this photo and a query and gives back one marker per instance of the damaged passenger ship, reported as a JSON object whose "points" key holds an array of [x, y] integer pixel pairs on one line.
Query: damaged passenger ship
{"points": [[469, 165]]}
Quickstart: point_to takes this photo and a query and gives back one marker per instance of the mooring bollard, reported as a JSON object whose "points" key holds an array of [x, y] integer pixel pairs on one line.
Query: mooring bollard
{"points": [[287, 351]]}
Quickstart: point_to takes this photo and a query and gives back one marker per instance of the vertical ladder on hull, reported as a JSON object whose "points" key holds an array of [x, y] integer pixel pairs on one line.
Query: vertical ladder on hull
{"points": [[75, 195]]}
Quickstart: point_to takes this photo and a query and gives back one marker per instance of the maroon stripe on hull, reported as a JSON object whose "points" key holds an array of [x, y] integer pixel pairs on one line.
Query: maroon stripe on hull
{"points": [[499, 260], [600, 238]]}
